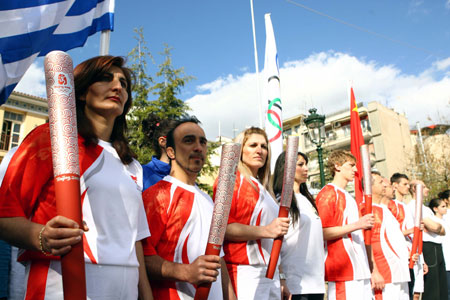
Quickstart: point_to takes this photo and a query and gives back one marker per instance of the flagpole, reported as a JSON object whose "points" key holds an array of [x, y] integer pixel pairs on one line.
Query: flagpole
{"points": [[256, 66], [104, 42]]}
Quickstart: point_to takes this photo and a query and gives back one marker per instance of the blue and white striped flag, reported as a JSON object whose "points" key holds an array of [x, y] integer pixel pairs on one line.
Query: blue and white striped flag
{"points": [[35, 27]]}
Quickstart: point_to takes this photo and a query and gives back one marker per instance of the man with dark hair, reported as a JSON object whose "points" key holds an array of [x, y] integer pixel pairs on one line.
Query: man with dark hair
{"points": [[400, 183], [179, 216], [346, 265]]}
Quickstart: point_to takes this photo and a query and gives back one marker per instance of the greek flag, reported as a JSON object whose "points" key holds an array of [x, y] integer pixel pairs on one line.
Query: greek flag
{"points": [[35, 27]]}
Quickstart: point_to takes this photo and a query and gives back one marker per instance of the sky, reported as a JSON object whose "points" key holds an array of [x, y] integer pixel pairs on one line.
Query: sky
{"points": [[393, 52]]}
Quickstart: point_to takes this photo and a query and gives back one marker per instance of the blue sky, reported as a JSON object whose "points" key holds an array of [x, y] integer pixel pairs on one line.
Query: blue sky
{"points": [[395, 52]]}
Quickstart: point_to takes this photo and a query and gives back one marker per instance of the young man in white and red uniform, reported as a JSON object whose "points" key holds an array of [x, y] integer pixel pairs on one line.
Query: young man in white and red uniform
{"points": [[346, 264], [400, 183], [179, 215], [390, 251]]}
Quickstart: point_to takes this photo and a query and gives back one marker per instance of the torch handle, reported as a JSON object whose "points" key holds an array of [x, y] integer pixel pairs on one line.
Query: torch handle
{"points": [[68, 204], [420, 242], [276, 247], [415, 246], [202, 291], [368, 210]]}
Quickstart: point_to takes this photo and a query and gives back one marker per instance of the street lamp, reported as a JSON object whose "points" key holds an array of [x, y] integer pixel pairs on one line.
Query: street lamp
{"points": [[316, 132]]}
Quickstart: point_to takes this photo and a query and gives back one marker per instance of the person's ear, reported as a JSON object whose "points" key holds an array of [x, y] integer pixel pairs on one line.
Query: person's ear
{"points": [[170, 152], [337, 167], [162, 140]]}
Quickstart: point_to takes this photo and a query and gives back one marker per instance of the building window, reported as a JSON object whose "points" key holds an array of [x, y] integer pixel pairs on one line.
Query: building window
{"points": [[287, 132], [346, 130], [10, 130], [307, 140], [365, 125]]}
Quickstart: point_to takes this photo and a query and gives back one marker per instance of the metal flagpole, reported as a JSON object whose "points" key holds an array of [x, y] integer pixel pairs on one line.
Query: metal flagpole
{"points": [[104, 42], [256, 66]]}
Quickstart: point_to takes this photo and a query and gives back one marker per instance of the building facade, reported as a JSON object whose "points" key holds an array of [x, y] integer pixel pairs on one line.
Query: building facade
{"points": [[19, 115], [384, 130]]}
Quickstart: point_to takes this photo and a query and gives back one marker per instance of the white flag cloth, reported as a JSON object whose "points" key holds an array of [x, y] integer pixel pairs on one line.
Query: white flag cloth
{"points": [[274, 122], [35, 27]]}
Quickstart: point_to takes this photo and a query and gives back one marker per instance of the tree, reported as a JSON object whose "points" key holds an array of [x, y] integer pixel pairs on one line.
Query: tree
{"points": [[209, 172], [157, 95], [166, 104], [433, 166], [141, 89]]}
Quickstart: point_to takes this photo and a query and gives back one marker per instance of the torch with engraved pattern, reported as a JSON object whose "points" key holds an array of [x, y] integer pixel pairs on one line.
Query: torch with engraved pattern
{"points": [[64, 142]]}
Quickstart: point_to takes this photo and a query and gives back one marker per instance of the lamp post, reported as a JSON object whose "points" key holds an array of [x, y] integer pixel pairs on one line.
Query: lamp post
{"points": [[316, 131]]}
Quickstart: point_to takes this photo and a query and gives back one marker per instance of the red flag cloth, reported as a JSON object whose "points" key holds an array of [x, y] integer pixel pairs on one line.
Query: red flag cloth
{"points": [[356, 140]]}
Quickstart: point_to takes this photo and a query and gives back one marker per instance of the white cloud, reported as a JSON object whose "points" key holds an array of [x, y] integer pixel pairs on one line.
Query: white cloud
{"points": [[321, 81], [33, 82]]}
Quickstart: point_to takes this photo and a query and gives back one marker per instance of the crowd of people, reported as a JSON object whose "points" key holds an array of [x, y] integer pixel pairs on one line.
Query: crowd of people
{"points": [[146, 227]]}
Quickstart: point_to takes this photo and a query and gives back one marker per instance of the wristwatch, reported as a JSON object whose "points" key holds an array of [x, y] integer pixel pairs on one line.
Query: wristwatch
{"points": [[282, 276]]}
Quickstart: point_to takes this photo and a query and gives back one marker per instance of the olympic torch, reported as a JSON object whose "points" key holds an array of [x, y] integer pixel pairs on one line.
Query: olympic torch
{"points": [[222, 204], [367, 177], [290, 164], [64, 142], [417, 239]]}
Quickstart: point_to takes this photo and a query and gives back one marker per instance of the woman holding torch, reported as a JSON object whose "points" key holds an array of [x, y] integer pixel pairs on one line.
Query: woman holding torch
{"points": [[302, 254], [253, 222], [111, 186]]}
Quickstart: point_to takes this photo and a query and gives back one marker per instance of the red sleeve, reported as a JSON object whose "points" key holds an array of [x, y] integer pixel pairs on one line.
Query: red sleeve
{"points": [[28, 176], [156, 199], [326, 202]]}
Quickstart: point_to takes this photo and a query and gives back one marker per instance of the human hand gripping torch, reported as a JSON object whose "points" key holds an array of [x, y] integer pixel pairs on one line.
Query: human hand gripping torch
{"points": [[367, 177], [417, 239], [64, 142], [286, 198], [222, 204]]}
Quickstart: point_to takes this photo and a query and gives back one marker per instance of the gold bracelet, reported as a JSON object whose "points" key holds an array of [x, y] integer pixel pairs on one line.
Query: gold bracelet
{"points": [[40, 243]]}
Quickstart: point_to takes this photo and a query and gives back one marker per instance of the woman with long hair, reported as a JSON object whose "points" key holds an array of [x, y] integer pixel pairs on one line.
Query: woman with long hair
{"points": [[111, 195], [302, 253], [253, 222], [156, 130], [435, 280]]}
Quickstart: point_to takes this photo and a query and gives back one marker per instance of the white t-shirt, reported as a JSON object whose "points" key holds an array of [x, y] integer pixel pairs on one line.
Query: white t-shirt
{"points": [[446, 241], [429, 236], [113, 191], [426, 213], [302, 254]]}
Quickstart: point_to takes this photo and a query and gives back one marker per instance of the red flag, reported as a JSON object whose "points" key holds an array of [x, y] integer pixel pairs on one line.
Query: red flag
{"points": [[356, 140]]}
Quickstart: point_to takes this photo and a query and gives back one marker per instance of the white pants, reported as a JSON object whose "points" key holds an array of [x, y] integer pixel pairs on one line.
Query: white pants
{"points": [[418, 277], [350, 290], [253, 284], [103, 282], [397, 291]]}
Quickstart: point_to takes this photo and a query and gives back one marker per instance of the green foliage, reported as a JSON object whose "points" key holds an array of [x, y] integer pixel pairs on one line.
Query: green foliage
{"points": [[153, 94], [158, 94], [209, 170], [141, 89], [173, 80]]}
